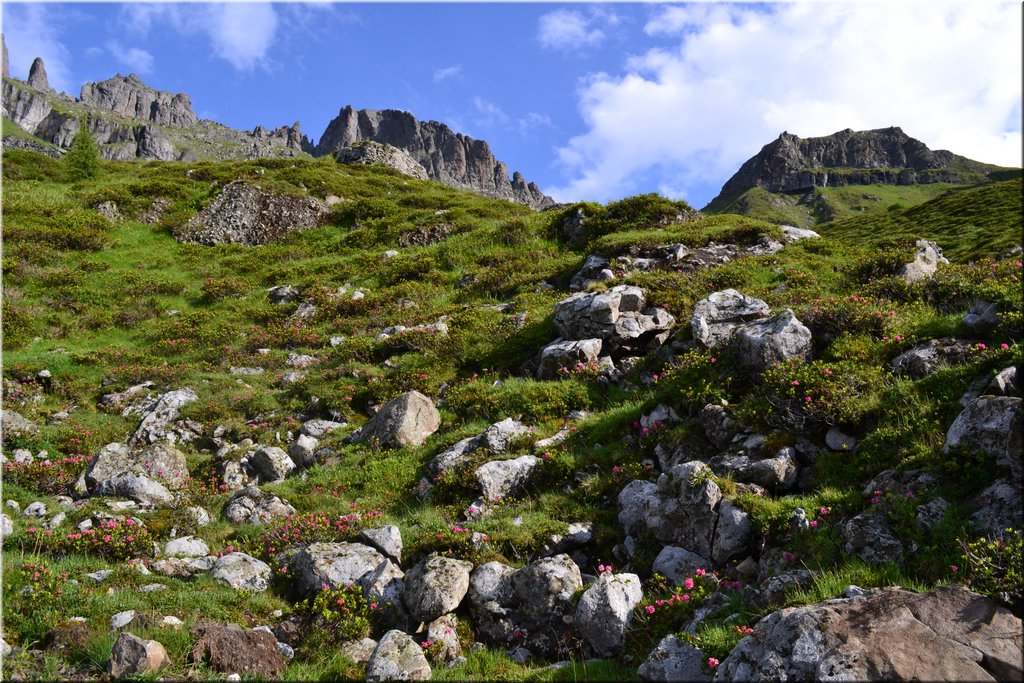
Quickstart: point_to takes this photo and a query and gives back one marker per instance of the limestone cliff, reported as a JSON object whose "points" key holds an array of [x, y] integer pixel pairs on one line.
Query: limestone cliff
{"points": [[449, 157]]}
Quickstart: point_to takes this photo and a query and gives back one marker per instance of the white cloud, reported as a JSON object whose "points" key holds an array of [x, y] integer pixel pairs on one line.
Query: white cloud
{"points": [[532, 121], [447, 72], [239, 33], [570, 30], [488, 113], [136, 59], [32, 31], [949, 75]]}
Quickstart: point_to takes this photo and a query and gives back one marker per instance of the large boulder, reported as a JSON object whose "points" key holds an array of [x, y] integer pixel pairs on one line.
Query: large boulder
{"points": [[404, 421], [132, 655], [676, 564], [924, 264], [566, 354], [161, 462], [254, 506], [247, 215], [436, 586], [992, 424], [618, 315], [337, 565], [605, 611], [138, 487], [766, 342], [546, 587], [397, 657], [156, 420], [16, 426], [732, 534], [716, 317], [272, 464], [885, 634]]}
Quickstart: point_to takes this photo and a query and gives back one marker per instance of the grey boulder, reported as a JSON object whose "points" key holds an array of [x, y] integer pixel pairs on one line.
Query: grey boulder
{"points": [[242, 572], [253, 506], [404, 421], [436, 586], [605, 611], [397, 657], [716, 317]]}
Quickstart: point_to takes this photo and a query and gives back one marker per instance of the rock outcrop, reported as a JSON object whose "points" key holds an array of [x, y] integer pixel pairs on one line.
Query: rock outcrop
{"points": [[452, 158], [129, 97], [404, 421], [375, 154], [884, 634], [245, 214], [884, 156], [37, 75]]}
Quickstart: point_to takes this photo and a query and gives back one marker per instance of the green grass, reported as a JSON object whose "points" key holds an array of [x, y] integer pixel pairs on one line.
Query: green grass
{"points": [[92, 302]]}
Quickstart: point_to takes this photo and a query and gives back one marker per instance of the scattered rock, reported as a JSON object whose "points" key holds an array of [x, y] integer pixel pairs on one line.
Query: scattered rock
{"points": [[397, 657], [566, 354], [14, 425], [35, 509], [242, 572], [404, 421], [318, 428], [992, 424], [122, 619], [272, 464], [676, 564], [156, 421], [436, 586], [924, 359], [838, 441], [132, 655], [187, 546], [374, 153], [767, 342], [359, 651], [674, 660], [982, 318], [283, 294], [868, 537], [716, 317], [140, 489], [617, 316], [605, 611], [732, 534], [335, 564], [997, 508], [386, 539], [253, 506], [926, 261], [500, 478]]}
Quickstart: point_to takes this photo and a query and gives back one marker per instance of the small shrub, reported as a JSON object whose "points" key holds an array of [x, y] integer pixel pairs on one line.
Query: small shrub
{"points": [[995, 566], [338, 614], [112, 540], [217, 289], [54, 477]]}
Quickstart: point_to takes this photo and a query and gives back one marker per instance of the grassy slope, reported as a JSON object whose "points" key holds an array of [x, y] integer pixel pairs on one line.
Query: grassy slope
{"points": [[90, 301]]}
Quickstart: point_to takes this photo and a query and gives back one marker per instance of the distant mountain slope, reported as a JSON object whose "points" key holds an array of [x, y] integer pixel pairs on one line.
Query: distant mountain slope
{"points": [[812, 180]]}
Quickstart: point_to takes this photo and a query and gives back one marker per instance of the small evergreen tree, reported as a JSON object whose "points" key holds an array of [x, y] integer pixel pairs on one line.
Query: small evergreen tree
{"points": [[83, 157]]}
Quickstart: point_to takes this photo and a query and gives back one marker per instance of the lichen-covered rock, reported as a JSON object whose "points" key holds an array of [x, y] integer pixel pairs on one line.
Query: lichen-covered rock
{"points": [[318, 428], [681, 510], [403, 421], [156, 420], [132, 655], [247, 215], [500, 478], [397, 657], [254, 506], [443, 633], [139, 488], [302, 451], [732, 534], [436, 586], [335, 564], [885, 634], [617, 316], [997, 508], [545, 588], [160, 462], [674, 660], [718, 426], [992, 424], [716, 317], [14, 425], [767, 342], [242, 572], [605, 611]]}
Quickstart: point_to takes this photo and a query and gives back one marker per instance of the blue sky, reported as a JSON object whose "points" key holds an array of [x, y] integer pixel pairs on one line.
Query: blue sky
{"points": [[591, 101]]}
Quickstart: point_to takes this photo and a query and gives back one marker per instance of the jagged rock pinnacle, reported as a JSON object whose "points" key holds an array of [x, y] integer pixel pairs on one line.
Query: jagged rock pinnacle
{"points": [[37, 74]]}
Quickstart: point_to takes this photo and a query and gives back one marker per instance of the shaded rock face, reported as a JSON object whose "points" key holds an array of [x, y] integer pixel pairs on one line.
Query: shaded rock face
{"points": [[885, 155], [129, 97], [133, 655], [436, 586], [885, 634], [374, 153], [674, 660], [924, 359], [605, 611], [992, 424], [566, 354], [451, 158], [244, 214], [717, 317]]}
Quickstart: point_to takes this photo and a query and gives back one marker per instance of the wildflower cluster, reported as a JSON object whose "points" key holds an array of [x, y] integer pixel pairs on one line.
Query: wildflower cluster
{"points": [[696, 379], [54, 477], [647, 437], [994, 566], [807, 396], [456, 541], [340, 614], [668, 607], [315, 527], [284, 335], [113, 540], [32, 587], [582, 371], [833, 316]]}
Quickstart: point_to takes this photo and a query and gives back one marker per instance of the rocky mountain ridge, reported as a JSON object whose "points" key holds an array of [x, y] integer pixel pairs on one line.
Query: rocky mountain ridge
{"points": [[886, 156], [131, 120]]}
